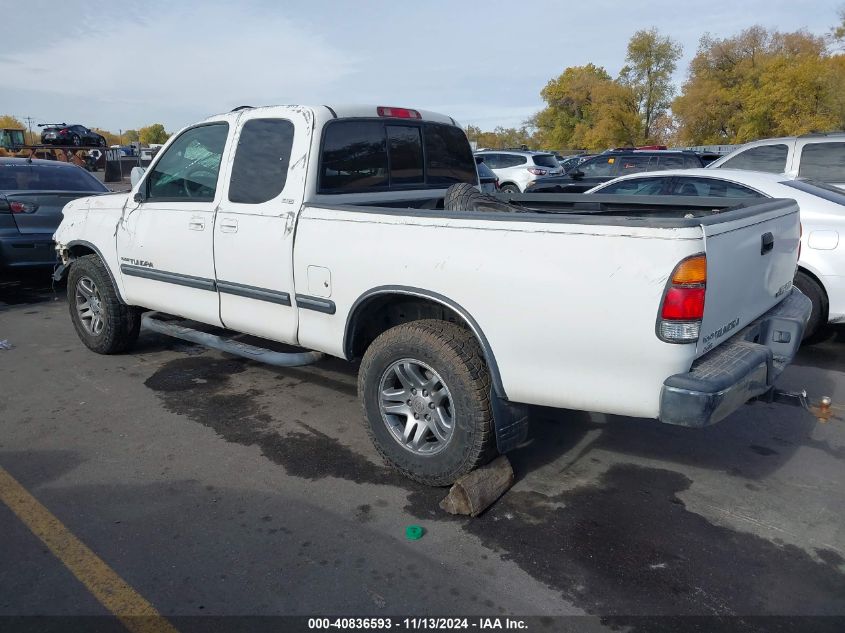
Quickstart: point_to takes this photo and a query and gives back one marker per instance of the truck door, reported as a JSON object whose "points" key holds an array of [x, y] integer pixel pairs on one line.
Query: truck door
{"points": [[165, 239], [254, 228]]}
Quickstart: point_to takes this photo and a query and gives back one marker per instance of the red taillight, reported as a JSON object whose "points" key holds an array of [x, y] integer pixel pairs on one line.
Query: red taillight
{"points": [[398, 113], [537, 172], [63, 132], [683, 303], [497, 184], [22, 207]]}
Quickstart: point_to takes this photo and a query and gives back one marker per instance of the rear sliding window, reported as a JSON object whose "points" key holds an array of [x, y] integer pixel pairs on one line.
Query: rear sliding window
{"points": [[40, 177], [376, 155]]}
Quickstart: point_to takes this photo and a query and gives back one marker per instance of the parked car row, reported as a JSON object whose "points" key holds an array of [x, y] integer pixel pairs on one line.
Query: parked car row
{"points": [[816, 156]]}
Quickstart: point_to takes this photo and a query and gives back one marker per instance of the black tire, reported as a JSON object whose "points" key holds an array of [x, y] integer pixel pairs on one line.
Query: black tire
{"points": [[120, 322], [465, 197], [76, 140], [816, 294], [455, 355], [509, 188], [102, 141]]}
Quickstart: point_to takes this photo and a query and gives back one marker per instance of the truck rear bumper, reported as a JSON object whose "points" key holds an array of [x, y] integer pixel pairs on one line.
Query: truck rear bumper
{"points": [[739, 369]]}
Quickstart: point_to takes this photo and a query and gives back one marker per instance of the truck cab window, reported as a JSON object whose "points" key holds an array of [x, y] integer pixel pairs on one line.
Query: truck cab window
{"points": [[448, 156], [406, 155], [261, 161], [771, 158], [188, 169], [354, 156]]}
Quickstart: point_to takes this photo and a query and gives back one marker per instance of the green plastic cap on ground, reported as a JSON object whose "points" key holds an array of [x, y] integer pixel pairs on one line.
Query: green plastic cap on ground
{"points": [[414, 532]]}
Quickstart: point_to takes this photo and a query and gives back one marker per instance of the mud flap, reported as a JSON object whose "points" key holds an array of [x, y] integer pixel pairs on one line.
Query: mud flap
{"points": [[511, 422]]}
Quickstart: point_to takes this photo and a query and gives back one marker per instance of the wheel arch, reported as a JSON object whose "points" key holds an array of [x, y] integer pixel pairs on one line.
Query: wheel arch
{"points": [[812, 274], [377, 303], [81, 248]]}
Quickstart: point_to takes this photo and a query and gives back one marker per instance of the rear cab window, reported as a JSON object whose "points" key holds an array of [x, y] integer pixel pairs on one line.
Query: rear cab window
{"points": [[360, 155], [770, 158]]}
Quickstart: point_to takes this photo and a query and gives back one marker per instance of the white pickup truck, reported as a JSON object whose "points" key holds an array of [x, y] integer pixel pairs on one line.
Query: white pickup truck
{"points": [[326, 228]]}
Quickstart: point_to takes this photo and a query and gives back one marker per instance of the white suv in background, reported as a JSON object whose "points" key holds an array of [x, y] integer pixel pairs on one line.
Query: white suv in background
{"points": [[516, 169], [815, 156]]}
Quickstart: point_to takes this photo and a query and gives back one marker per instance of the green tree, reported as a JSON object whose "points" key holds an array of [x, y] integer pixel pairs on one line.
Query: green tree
{"points": [[154, 133], [131, 136], [585, 108], [651, 60]]}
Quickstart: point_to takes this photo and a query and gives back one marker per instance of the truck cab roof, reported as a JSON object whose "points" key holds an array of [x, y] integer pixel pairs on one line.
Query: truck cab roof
{"points": [[325, 113]]}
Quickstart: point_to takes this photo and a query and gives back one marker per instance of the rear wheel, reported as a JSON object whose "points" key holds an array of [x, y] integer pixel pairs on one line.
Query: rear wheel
{"points": [[815, 293], [76, 140], [509, 188], [102, 321], [425, 389]]}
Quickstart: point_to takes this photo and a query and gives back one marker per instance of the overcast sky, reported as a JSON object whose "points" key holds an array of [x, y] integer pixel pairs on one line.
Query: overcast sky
{"points": [[116, 64]]}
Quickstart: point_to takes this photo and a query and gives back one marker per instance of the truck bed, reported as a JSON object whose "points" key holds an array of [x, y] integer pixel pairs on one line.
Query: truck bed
{"points": [[614, 210]]}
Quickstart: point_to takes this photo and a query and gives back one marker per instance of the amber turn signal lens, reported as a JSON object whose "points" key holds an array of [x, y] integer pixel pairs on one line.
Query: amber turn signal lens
{"points": [[691, 271]]}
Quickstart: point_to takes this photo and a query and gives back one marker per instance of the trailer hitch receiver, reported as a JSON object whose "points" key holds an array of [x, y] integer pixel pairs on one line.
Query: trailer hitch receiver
{"points": [[823, 410]]}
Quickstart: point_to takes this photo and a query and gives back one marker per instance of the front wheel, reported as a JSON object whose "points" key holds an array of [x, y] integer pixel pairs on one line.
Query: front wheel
{"points": [[425, 390], [102, 321]]}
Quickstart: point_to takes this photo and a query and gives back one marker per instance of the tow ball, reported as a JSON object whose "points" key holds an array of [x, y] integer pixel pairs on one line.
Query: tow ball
{"points": [[824, 410]]}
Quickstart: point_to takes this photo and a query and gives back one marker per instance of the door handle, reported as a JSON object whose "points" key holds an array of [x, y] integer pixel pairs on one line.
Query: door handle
{"points": [[196, 223], [767, 243], [228, 225]]}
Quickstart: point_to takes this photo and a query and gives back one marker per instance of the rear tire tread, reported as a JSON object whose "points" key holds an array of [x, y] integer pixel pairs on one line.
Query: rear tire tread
{"points": [[460, 349]]}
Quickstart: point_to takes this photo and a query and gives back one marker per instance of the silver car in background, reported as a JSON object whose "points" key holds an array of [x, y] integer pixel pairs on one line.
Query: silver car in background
{"points": [[516, 169]]}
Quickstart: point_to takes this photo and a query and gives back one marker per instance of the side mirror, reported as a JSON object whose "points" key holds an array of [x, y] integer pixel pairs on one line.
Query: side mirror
{"points": [[136, 174], [577, 174], [479, 160]]}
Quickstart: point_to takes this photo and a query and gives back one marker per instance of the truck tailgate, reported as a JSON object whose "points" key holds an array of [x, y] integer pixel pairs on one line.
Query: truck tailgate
{"points": [[750, 265]]}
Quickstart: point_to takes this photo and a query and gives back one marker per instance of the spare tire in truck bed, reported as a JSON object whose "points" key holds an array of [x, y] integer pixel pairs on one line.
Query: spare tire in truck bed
{"points": [[465, 197]]}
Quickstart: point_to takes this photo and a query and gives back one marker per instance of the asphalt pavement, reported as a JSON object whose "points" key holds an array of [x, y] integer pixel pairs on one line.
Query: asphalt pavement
{"points": [[217, 486]]}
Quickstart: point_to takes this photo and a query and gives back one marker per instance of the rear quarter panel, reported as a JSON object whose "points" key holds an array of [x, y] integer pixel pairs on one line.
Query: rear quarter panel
{"points": [[569, 310]]}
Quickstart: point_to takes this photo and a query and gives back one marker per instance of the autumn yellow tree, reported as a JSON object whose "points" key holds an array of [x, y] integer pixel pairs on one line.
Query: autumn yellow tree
{"points": [[585, 108], [154, 133], [760, 84]]}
